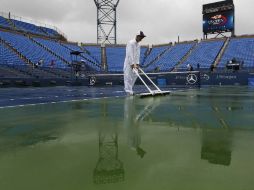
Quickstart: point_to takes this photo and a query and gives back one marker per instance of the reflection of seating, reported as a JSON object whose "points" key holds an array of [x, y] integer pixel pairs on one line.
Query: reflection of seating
{"points": [[216, 147]]}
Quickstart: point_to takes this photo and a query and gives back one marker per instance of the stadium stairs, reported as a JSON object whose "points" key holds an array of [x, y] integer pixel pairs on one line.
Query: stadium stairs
{"points": [[241, 50], [145, 52], [185, 57], [7, 45], [170, 58], [157, 57], [50, 51], [221, 53], [29, 68]]}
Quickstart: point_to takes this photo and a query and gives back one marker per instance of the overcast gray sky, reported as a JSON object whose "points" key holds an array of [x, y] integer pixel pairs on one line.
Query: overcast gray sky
{"points": [[161, 20]]}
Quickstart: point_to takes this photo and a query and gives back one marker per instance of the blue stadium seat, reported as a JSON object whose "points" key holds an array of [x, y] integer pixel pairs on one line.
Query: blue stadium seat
{"points": [[90, 59], [94, 51], [8, 57], [171, 58], [50, 32], [115, 58], [64, 50], [143, 55], [240, 48], [156, 51], [204, 54], [4, 23], [31, 50], [27, 27]]}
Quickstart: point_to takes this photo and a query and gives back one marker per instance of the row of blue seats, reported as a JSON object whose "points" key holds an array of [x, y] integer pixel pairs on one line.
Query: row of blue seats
{"points": [[115, 58], [4, 23], [154, 53], [64, 51], [171, 57], [203, 53], [91, 60], [27, 27], [242, 49], [143, 54], [36, 52], [31, 50], [94, 51], [116, 55], [8, 57]]}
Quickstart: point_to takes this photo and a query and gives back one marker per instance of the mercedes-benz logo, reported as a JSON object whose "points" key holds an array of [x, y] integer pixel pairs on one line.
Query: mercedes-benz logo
{"points": [[192, 78], [92, 81], [206, 77]]}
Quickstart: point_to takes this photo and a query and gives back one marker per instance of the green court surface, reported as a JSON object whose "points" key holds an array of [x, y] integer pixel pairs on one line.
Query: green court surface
{"points": [[199, 139]]}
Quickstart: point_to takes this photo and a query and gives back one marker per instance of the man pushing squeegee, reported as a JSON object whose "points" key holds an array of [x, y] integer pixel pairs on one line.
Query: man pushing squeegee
{"points": [[131, 69]]}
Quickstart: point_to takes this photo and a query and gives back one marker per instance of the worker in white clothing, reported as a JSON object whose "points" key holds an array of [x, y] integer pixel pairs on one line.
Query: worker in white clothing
{"points": [[132, 62]]}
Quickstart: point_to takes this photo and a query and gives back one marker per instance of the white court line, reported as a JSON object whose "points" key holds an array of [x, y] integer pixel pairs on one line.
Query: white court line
{"points": [[66, 101]]}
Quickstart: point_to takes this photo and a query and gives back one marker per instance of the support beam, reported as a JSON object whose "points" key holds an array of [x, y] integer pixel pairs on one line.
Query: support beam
{"points": [[106, 21]]}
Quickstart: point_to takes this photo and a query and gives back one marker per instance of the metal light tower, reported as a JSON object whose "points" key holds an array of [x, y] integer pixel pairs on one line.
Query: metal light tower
{"points": [[106, 21]]}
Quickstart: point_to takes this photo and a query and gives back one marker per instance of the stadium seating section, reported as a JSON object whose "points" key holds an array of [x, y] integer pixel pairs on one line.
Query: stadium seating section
{"points": [[115, 58], [242, 49], [28, 27], [204, 54], [24, 45], [170, 58]]}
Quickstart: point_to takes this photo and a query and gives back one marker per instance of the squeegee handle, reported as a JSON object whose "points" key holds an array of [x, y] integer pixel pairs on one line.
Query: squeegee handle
{"points": [[150, 80], [136, 72]]}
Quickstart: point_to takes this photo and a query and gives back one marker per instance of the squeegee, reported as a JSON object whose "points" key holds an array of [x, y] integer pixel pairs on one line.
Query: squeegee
{"points": [[157, 92]]}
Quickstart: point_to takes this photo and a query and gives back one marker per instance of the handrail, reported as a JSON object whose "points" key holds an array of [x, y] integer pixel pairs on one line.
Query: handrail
{"points": [[30, 21]]}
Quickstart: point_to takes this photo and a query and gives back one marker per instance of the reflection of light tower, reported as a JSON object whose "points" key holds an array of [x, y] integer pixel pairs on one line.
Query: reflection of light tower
{"points": [[106, 21], [109, 169]]}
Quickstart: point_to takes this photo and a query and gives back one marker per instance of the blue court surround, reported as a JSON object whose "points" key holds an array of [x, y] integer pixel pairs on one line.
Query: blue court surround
{"points": [[30, 96], [13, 97]]}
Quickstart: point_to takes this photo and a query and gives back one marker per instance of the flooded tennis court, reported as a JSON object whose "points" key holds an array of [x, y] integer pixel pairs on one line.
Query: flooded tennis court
{"points": [[191, 139]]}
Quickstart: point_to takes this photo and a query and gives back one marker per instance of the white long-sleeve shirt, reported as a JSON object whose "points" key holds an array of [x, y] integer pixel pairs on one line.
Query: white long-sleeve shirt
{"points": [[132, 53]]}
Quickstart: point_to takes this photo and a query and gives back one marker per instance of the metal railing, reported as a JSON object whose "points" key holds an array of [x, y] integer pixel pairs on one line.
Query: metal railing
{"points": [[30, 21]]}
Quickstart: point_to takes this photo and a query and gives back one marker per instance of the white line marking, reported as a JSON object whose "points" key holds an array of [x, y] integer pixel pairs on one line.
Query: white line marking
{"points": [[66, 101]]}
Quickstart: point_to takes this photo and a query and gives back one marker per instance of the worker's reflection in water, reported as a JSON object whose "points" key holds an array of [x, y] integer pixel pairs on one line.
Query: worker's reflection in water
{"points": [[131, 125], [132, 120]]}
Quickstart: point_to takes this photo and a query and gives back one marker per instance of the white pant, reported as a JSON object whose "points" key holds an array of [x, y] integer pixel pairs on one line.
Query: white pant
{"points": [[129, 80]]}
